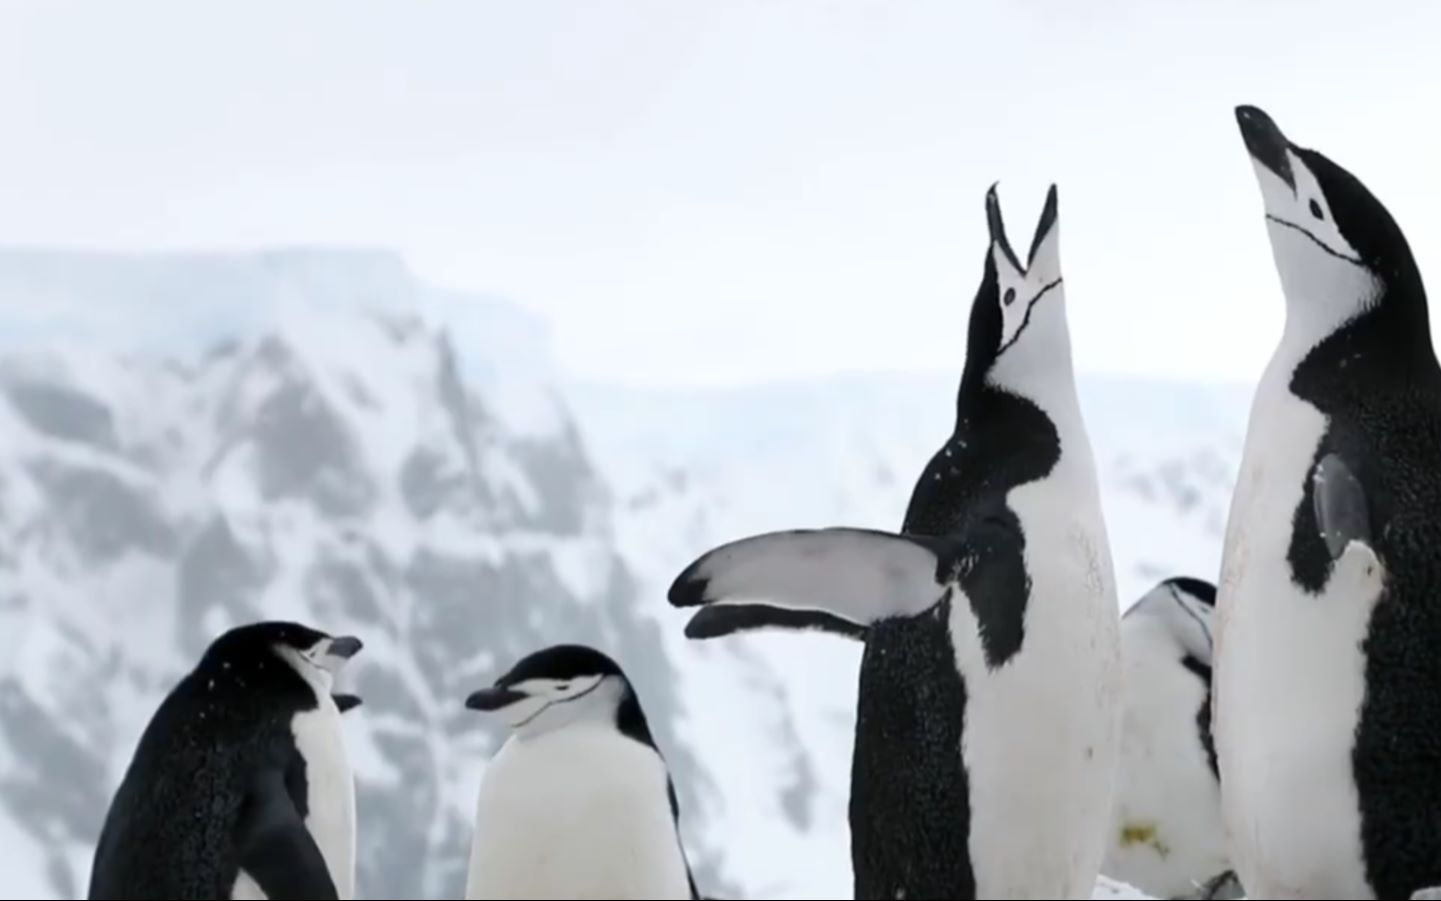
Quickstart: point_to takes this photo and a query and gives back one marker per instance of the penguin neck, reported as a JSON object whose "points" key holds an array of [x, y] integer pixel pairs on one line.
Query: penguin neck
{"points": [[1037, 367], [1385, 314]]}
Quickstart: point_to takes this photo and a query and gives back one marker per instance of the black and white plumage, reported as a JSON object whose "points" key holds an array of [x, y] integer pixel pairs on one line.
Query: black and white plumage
{"points": [[1166, 834], [578, 803], [1328, 668], [239, 786], [988, 713]]}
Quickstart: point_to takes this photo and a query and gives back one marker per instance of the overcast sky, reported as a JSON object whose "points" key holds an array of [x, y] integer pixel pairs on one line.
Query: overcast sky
{"points": [[729, 191]]}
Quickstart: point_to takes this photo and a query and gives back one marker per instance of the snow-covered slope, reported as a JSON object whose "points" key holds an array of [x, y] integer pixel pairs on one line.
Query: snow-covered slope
{"points": [[336, 467], [436, 492]]}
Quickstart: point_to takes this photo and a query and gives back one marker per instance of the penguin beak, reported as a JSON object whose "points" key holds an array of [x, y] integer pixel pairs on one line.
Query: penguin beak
{"points": [[1266, 144], [489, 700], [340, 651], [344, 702]]}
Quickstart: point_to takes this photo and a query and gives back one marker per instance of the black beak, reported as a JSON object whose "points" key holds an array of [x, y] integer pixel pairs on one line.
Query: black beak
{"points": [[1046, 223], [1265, 142], [346, 702], [346, 646], [490, 699], [997, 228]]}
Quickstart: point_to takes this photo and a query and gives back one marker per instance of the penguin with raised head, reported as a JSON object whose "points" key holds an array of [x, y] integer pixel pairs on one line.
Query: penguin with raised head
{"points": [[239, 786], [988, 715], [578, 803], [1328, 639], [1166, 833]]}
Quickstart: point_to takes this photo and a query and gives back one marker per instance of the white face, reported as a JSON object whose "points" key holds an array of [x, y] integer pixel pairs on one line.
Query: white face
{"points": [[1324, 278], [1303, 211], [540, 705], [1173, 612], [1034, 354], [1021, 294]]}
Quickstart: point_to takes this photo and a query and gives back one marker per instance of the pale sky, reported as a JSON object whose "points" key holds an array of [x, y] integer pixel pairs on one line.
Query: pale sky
{"points": [[729, 191]]}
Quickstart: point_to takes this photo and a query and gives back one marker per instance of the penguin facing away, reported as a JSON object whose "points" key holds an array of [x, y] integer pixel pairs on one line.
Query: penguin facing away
{"points": [[989, 700], [1166, 835], [578, 802], [1328, 641], [239, 786]]}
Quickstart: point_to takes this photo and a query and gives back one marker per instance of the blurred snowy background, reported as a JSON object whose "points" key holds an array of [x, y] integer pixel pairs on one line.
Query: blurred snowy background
{"points": [[465, 327]]}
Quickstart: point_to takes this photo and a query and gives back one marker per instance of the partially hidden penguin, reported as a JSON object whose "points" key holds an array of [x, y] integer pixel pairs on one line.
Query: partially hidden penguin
{"points": [[578, 803], [239, 787], [1328, 642], [1166, 834], [988, 714]]}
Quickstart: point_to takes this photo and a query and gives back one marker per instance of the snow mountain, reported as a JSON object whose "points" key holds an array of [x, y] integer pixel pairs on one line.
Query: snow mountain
{"points": [[445, 494]]}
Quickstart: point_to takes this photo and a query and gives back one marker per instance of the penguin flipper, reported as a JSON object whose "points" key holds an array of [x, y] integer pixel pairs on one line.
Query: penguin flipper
{"points": [[276, 849], [839, 580], [1339, 502], [344, 702]]}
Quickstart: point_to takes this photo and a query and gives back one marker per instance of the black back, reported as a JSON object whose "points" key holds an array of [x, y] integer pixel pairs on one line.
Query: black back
{"points": [[1205, 592], [1378, 382], [170, 829], [910, 801]]}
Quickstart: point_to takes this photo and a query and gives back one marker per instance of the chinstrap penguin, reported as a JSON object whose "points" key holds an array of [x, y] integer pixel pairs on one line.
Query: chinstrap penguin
{"points": [[239, 786], [1166, 835], [988, 715], [578, 803], [1328, 638]]}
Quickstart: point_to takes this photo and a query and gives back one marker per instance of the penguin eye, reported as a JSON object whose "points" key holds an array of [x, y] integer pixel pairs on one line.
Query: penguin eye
{"points": [[1010, 297], [1316, 209]]}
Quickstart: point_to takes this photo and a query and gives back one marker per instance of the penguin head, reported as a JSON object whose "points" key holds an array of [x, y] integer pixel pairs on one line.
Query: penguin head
{"points": [[1178, 611], [1337, 248], [555, 687], [1018, 325], [316, 656]]}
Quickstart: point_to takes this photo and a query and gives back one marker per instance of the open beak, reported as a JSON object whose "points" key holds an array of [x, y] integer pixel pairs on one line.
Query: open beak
{"points": [[488, 700]]}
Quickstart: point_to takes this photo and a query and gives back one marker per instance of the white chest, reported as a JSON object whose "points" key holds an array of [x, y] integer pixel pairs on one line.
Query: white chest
{"points": [[331, 795], [1166, 834], [1042, 733], [1289, 677], [578, 813]]}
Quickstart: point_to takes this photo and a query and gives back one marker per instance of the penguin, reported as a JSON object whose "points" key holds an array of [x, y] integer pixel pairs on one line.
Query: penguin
{"points": [[578, 802], [1327, 703], [239, 786], [988, 711], [1166, 834]]}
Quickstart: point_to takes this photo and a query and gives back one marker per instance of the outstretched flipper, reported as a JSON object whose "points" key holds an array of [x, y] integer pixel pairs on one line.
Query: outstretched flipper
{"points": [[345, 702], [838, 580], [1340, 505], [276, 849]]}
